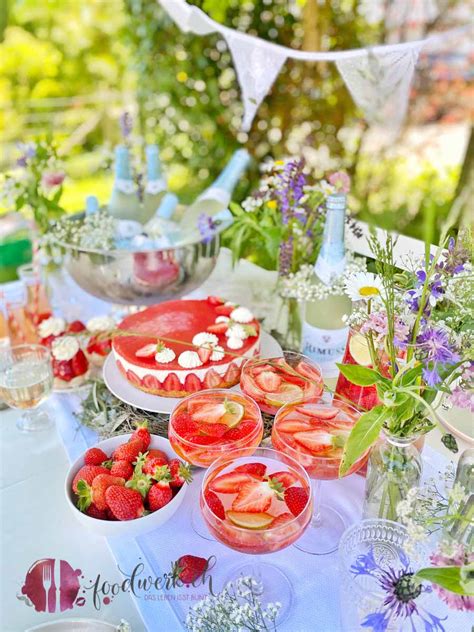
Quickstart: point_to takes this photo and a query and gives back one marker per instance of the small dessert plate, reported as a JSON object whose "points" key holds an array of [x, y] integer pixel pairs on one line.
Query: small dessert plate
{"points": [[125, 391]]}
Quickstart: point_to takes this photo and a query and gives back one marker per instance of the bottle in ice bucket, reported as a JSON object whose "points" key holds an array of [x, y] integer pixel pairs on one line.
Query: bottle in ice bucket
{"points": [[155, 187], [124, 202], [324, 333]]}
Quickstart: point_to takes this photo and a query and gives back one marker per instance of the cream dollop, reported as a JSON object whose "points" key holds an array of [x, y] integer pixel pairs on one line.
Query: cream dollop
{"points": [[222, 319], [165, 355], [65, 348], [217, 354], [236, 331], [99, 324], [241, 315], [189, 360], [235, 343], [52, 327], [205, 338]]}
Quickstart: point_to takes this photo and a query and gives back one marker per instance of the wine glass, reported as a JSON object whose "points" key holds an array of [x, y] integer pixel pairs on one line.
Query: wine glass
{"points": [[258, 502], [314, 434], [26, 381]]}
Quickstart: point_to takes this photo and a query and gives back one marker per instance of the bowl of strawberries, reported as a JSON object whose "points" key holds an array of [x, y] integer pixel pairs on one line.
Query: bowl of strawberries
{"points": [[128, 484]]}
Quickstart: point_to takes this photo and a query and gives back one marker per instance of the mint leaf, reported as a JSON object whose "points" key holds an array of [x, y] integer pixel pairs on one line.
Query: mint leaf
{"points": [[360, 375], [451, 578], [363, 435]]}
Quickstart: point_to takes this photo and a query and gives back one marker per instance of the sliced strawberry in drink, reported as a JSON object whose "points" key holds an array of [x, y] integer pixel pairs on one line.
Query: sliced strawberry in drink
{"points": [[287, 479], [308, 371], [256, 496], [319, 412], [293, 425], [207, 412], [245, 428], [287, 393], [213, 430], [250, 520], [269, 381], [257, 470], [184, 425], [282, 519], [200, 439], [290, 378], [321, 442], [249, 387], [214, 503], [260, 368], [296, 499], [230, 483]]}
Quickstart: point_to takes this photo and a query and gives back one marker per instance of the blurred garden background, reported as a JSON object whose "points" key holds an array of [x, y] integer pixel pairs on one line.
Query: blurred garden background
{"points": [[69, 69]]}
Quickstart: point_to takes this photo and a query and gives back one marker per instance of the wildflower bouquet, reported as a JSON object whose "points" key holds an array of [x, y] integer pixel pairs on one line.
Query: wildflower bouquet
{"points": [[416, 328], [35, 186]]}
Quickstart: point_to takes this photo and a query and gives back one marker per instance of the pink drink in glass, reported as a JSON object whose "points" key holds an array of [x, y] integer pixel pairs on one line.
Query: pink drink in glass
{"points": [[274, 382]]}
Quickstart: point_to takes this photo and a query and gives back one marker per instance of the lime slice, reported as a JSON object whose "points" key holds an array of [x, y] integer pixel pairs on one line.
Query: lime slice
{"points": [[248, 520], [359, 350], [285, 394], [233, 415]]}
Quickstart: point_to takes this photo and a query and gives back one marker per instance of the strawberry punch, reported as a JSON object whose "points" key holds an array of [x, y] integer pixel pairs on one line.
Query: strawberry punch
{"points": [[258, 502], [314, 434], [274, 382]]}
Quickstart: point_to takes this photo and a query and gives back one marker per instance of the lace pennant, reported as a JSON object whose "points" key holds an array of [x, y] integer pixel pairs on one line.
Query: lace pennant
{"points": [[257, 65], [380, 83]]}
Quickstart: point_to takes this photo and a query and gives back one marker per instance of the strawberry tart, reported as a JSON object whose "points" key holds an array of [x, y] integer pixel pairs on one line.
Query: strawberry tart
{"points": [[215, 338], [70, 365]]}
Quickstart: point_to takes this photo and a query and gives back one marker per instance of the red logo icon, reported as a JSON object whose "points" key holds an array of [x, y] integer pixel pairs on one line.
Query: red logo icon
{"points": [[52, 585]]}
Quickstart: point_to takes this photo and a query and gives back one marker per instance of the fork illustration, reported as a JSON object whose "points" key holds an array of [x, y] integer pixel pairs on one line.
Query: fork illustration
{"points": [[47, 581]]}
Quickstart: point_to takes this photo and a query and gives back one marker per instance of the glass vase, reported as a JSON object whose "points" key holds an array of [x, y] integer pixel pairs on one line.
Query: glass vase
{"points": [[288, 325], [394, 467]]}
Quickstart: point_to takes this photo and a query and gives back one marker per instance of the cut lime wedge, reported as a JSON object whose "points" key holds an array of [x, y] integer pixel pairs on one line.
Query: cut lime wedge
{"points": [[359, 350], [286, 393], [233, 415], [248, 520]]}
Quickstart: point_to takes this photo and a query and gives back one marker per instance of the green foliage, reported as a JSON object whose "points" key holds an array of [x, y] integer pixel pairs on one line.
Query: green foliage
{"points": [[456, 579], [362, 436]]}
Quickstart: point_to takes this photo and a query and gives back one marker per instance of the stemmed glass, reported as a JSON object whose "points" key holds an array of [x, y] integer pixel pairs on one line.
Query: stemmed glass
{"points": [[26, 381], [232, 487], [314, 434]]}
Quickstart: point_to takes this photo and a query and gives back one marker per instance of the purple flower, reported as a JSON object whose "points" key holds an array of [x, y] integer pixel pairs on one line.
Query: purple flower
{"points": [[435, 292], [377, 621], [364, 564], [290, 188], [28, 151], [436, 346], [454, 259], [126, 124], [207, 227]]}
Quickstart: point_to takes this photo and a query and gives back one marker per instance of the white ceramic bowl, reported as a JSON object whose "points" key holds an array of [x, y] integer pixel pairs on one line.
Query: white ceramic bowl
{"points": [[125, 527]]}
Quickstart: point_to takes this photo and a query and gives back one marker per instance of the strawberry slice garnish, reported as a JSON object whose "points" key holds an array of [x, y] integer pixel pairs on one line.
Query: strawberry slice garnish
{"points": [[147, 351], [218, 328], [215, 300], [296, 499], [293, 425], [256, 496], [230, 483], [318, 412], [214, 503], [257, 470], [243, 429], [321, 442], [282, 519], [287, 479], [225, 310], [75, 327], [210, 412], [213, 430], [184, 425], [268, 381], [202, 439], [204, 353]]}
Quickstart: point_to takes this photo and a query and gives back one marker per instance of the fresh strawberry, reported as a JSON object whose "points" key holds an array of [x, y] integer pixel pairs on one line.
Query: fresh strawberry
{"points": [[63, 370], [215, 300], [282, 519], [183, 425], [256, 496], [215, 504], [124, 503], [128, 451], [75, 327], [87, 473], [100, 346], [95, 493], [230, 483], [296, 499], [172, 383], [159, 455], [93, 512], [287, 479], [153, 463], [204, 354], [189, 567], [319, 412], [212, 379], [140, 481], [225, 310], [268, 381], [180, 472], [142, 433], [48, 340], [217, 328], [257, 470], [147, 351], [159, 496], [79, 363], [242, 430], [192, 384], [232, 375], [202, 439], [94, 456], [124, 469]]}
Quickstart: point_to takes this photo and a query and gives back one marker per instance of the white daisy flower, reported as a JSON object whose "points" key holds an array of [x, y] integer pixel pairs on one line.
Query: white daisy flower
{"points": [[364, 286]]}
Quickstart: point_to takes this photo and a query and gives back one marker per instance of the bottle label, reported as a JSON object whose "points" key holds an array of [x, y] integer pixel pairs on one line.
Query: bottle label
{"points": [[324, 346], [328, 270]]}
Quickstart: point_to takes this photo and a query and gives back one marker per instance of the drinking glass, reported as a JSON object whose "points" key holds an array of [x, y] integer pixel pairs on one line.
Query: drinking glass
{"points": [[26, 381], [20, 329], [314, 433], [238, 480], [38, 307]]}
